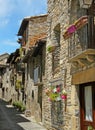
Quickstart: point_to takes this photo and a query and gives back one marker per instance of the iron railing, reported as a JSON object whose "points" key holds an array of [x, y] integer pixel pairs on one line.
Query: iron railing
{"points": [[82, 39]]}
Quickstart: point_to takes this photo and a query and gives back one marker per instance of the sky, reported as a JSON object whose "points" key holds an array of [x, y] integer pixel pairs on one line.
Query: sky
{"points": [[12, 13]]}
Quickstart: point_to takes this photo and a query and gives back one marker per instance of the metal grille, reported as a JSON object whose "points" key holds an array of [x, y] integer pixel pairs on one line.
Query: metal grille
{"points": [[57, 113]]}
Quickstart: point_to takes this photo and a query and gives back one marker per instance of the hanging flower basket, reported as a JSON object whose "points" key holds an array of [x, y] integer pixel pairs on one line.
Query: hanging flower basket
{"points": [[50, 48], [74, 27], [81, 22], [54, 93], [71, 29]]}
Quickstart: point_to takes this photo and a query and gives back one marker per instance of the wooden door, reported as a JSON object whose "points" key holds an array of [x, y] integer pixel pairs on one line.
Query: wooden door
{"points": [[87, 106]]}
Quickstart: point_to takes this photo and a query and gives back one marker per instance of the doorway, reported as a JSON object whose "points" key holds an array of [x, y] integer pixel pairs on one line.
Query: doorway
{"points": [[87, 106], [40, 99]]}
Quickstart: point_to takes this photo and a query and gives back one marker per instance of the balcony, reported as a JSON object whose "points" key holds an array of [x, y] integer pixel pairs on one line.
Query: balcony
{"points": [[82, 46], [37, 76]]}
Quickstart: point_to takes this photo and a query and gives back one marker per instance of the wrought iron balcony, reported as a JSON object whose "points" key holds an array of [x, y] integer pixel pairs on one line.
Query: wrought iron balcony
{"points": [[82, 45]]}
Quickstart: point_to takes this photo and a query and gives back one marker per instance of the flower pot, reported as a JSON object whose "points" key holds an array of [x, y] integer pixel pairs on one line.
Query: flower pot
{"points": [[81, 22], [67, 34], [51, 48], [71, 29]]}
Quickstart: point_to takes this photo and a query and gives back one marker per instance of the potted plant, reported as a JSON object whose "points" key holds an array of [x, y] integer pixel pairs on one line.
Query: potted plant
{"points": [[50, 48], [71, 29], [81, 22], [55, 93]]}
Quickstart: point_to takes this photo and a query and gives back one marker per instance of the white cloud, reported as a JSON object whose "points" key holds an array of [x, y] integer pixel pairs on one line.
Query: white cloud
{"points": [[25, 7], [29, 7], [6, 7], [12, 13], [10, 43], [4, 22]]}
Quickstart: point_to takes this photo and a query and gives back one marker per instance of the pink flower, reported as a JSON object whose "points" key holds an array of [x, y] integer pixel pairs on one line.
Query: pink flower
{"points": [[49, 99], [64, 97], [58, 89], [72, 29]]}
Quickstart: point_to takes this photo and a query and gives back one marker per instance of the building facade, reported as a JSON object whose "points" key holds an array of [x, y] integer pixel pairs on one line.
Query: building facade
{"points": [[70, 66], [16, 74], [3, 76], [33, 31], [58, 54]]}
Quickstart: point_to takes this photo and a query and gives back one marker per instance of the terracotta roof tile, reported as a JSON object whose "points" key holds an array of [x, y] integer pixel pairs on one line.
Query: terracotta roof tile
{"points": [[36, 38]]}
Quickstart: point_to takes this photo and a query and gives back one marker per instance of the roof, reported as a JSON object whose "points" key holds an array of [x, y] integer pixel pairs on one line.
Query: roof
{"points": [[37, 38], [12, 57], [25, 22], [3, 56], [34, 50]]}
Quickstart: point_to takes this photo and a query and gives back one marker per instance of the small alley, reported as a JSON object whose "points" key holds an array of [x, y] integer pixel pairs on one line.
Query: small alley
{"points": [[52, 73], [11, 119]]}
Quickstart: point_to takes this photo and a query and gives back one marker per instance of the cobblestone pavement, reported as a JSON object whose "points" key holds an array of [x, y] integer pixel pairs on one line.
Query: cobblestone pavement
{"points": [[11, 119]]}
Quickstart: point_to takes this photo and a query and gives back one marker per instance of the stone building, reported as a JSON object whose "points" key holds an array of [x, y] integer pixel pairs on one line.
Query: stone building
{"points": [[4, 76], [58, 53], [15, 78], [33, 34], [70, 66]]}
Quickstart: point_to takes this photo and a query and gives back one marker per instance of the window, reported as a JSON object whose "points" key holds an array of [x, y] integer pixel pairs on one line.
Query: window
{"points": [[57, 111], [88, 103], [56, 53], [57, 114]]}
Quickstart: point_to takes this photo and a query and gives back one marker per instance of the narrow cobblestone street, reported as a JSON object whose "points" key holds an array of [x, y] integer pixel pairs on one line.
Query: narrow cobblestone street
{"points": [[11, 119]]}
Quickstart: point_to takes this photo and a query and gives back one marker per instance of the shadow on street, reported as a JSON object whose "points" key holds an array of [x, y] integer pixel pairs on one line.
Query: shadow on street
{"points": [[10, 117]]}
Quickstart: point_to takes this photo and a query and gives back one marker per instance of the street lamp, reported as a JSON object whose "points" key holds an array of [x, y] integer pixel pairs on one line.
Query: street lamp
{"points": [[85, 3]]}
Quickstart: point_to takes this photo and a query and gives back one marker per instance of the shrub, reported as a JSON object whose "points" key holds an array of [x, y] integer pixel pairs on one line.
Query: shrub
{"points": [[21, 107]]}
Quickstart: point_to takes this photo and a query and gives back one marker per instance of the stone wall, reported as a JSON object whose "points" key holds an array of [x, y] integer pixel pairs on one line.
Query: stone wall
{"points": [[37, 27], [58, 13], [32, 89]]}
